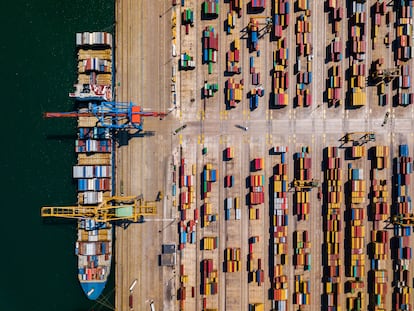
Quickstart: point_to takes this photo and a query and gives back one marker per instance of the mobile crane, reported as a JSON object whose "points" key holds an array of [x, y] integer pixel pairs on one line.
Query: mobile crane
{"points": [[113, 115]]}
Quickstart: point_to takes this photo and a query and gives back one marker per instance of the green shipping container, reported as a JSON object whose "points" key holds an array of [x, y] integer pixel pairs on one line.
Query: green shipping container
{"points": [[210, 68]]}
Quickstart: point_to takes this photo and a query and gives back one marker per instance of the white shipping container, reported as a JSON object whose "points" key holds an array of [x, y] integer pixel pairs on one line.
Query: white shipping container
{"points": [[238, 214]]}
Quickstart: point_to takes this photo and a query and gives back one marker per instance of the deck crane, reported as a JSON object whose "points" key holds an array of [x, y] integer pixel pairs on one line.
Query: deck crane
{"points": [[113, 209], [113, 115]]}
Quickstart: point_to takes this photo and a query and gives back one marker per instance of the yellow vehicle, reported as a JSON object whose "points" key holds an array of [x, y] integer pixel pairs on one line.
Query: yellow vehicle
{"points": [[305, 184]]}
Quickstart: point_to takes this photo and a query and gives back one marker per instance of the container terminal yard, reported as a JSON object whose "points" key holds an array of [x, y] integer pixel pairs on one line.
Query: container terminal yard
{"points": [[275, 171]]}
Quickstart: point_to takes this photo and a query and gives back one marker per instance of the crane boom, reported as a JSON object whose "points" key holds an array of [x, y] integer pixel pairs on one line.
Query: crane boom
{"points": [[112, 209], [114, 115]]}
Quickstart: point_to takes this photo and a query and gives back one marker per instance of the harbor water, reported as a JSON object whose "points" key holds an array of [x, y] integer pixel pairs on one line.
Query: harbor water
{"points": [[38, 57]]}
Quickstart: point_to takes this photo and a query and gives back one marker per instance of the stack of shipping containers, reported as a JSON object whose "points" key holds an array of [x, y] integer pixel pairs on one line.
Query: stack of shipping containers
{"points": [[303, 173], [378, 277], [355, 231], [401, 252], [187, 225], [358, 43], [332, 226], [304, 47], [280, 82], [279, 209]]}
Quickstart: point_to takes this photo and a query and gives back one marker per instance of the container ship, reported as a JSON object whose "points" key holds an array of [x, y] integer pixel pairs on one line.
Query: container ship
{"points": [[93, 170], [93, 249]]}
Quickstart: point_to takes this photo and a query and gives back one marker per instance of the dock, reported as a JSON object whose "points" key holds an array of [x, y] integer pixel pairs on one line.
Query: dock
{"points": [[284, 160]]}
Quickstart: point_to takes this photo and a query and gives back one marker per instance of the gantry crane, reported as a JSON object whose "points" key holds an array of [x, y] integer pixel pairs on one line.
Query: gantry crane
{"points": [[268, 23], [305, 184], [386, 74], [113, 115], [359, 138], [113, 209], [402, 220]]}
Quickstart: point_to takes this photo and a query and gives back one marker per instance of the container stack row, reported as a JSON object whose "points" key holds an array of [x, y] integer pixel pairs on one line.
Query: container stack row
{"points": [[357, 84], [94, 133], [253, 72], [279, 229], [210, 47], [236, 6], [209, 278], [182, 290], [358, 151], [94, 64], [256, 307], [232, 261], [187, 62], [404, 31], [402, 251], [378, 14], [280, 17], [334, 85], [234, 93], [93, 145], [211, 8], [303, 175], [94, 67], [355, 233], [255, 267], [258, 4], [228, 207], [280, 79], [256, 187], [301, 250], [209, 176], [233, 57], [303, 30], [256, 195], [188, 220], [358, 35], [187, 233], [209, 89], [332, 227], [404, 84], [301, 295], [357, 90], [378, 276], [187, 19], [209, 243], [254, 95], [337, 13], [253, 34]]}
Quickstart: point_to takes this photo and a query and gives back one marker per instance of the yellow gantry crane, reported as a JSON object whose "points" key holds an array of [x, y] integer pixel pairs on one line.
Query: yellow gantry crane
{"points": [[268, 22], [403, 221], [305, 184], [116, 208], [386, 74], [359, 137]]}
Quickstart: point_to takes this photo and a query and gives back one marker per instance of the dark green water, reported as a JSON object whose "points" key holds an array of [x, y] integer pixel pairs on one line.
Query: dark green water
{"points": [[38, 69]]}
